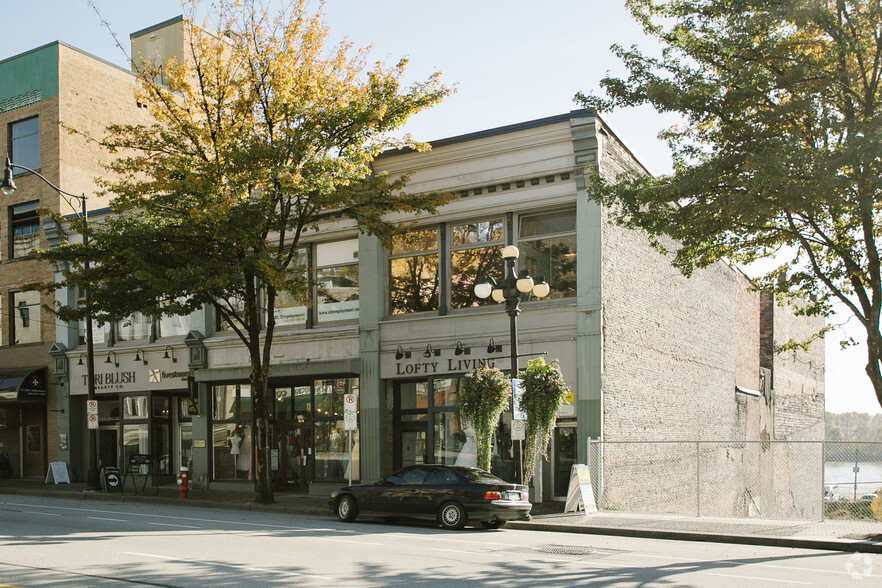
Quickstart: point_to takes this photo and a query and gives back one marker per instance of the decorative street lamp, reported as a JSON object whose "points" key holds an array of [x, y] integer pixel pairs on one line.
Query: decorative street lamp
{"points": [[509, 290], [8, 187]]}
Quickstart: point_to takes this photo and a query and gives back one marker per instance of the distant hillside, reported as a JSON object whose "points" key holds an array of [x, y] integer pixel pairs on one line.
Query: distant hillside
{"points": [[853, 426]]}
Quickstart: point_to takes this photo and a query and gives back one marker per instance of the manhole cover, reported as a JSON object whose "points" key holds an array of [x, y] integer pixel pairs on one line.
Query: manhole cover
{"points": [[566, 550]]}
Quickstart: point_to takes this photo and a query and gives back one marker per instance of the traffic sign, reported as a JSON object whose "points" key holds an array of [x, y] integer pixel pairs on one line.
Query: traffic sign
{"points": [[518, 430], [91, 407], [93, 421], [349, 402], [517, 391]]}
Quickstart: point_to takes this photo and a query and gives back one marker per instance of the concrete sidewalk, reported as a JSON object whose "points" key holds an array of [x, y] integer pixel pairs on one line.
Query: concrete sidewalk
{"points": [[838, 535]]}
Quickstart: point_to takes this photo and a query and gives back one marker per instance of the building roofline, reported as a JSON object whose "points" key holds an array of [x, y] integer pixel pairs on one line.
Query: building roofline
{"points": [[69, 46], [522, 126], [157, 26], [513, 128]]}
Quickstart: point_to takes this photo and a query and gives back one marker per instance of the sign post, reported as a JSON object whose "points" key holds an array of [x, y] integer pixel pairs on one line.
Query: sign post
{"points": [[92, 413], [350, 422], [518, 423]]}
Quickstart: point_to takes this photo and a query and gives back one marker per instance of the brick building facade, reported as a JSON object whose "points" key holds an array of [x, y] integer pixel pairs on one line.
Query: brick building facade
{"points": [[44, 94]]}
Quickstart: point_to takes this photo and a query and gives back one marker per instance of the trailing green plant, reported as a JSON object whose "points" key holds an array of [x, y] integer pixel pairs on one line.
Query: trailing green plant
{"points": [[544, 393], [483, 395]]}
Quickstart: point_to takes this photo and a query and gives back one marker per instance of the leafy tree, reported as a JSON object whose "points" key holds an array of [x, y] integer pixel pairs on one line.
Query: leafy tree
{"points": [[483, 395], [544, 393], [259, 135], [779, 153]]}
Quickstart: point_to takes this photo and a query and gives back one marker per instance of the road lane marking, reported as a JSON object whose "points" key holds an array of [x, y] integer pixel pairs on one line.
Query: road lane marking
{"points": [[350, 541], [480, 553], [45, 514], [223, 565], [453, 540], [171, 525], [110, 519], [757, 578]]}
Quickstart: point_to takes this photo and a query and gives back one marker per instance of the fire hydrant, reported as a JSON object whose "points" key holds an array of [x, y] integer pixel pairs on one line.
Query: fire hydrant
{"points": [[183, 482]]}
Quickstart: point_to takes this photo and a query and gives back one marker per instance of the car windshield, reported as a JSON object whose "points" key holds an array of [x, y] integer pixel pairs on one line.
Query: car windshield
{"points": [[481, 476]]}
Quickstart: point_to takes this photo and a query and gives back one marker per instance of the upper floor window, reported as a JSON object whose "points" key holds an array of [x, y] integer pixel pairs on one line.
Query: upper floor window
{"points": [[547, 245], [24, 144], [134, 328], [292, 305], [475, 250], [413, 271], [25, 229], [336, 280], [25, 317]]}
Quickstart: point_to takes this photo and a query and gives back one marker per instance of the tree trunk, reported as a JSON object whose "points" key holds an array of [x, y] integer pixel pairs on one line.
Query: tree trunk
{"points": [[260, 439], [874, 357]]}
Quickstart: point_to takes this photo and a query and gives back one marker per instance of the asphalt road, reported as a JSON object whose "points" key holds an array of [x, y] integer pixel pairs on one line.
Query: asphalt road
{"points": [[63, 542]]}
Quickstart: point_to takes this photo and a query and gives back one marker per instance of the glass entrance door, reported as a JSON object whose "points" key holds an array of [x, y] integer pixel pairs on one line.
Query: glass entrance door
{"points": [[563, 457], [296, 458], [413, 447], [108, 447]]}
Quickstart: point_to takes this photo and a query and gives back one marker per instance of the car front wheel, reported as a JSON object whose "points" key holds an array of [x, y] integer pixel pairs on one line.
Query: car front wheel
{"points": [[347, 509], [452, 516]]}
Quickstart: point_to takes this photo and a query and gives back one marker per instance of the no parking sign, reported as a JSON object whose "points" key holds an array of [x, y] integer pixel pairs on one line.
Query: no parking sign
{"points": [[350, 421]]}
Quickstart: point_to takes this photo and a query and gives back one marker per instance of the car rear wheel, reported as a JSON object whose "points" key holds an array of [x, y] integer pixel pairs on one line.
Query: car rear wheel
{"points": [[493, 524], [347, 509], [452, 516]]}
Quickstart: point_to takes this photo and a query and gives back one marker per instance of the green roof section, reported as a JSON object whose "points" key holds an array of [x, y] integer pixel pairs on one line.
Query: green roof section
{"points": [[29, 77]]}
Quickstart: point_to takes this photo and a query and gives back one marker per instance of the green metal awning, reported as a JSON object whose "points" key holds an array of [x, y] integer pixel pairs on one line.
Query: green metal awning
{"points": [[23, 384]]}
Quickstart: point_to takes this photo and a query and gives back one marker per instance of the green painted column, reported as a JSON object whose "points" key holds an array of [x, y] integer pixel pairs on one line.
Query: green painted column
{"points": [[371, 417]]}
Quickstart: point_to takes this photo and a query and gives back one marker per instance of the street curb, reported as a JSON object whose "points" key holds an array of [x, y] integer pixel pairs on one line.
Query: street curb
{"points": [[846, 545], [310, 506]]}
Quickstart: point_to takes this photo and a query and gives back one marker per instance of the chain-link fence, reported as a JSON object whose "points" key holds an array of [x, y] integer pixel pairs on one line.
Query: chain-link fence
{"points": [[804, 480]]}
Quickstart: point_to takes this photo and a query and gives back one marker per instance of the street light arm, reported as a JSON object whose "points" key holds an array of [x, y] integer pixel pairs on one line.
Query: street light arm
{"points": [[8, 186]]}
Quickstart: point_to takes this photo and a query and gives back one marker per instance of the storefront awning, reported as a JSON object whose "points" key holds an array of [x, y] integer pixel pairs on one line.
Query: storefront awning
{"points": [[23, 384]]}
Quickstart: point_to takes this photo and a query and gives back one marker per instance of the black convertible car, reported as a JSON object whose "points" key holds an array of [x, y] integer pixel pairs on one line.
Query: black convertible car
{"points": [[452, 495]]}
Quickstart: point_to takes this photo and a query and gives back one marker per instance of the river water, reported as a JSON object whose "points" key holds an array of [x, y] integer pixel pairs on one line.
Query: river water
{"points": [[839, 477]]}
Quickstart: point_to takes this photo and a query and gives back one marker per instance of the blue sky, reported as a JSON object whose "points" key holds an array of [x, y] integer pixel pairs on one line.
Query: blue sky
{"points": [[510, 60]]}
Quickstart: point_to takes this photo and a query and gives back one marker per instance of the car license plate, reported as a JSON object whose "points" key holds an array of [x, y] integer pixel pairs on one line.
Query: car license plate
{"points": [[512, 495]]}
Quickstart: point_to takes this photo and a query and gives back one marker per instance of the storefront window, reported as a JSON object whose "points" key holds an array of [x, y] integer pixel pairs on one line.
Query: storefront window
{"points": [[414, 396], [445, 391], [332, 454], [134, 407], [232, 456], [336, 279], [135, 441], [232, 403], [548, 249], [428, 426], [450, 439], [329, 396], [413, 270], [475, 250], [232, 451], [162, 449], [160, 406], [108, 410]]}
